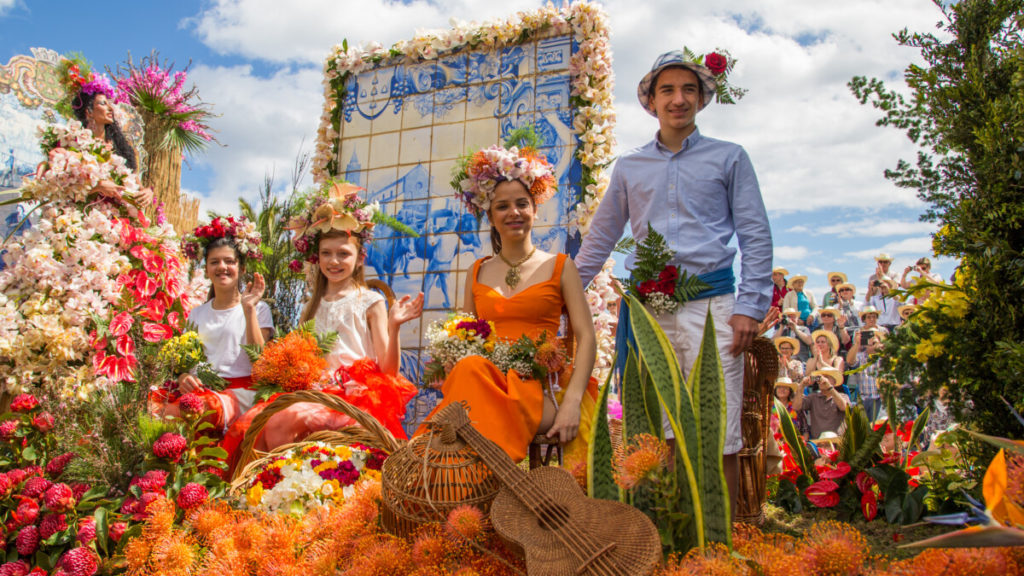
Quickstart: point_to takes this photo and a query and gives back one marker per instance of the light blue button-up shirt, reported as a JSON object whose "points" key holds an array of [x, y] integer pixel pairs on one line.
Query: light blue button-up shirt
{"points": [[698, 198]]}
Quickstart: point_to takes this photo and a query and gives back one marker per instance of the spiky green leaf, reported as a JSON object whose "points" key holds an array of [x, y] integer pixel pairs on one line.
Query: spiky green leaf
{"points": [[600, 481]]}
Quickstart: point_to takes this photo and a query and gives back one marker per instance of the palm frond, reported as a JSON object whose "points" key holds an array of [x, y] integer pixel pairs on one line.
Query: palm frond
{"points": [[524, 137], [625, 246]]}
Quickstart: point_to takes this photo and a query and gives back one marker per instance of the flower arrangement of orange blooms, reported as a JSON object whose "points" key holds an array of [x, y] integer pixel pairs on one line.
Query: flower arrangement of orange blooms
{"points": [[291, 362]]}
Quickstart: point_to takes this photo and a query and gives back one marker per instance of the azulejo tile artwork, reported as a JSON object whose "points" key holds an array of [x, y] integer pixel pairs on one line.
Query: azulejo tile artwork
{"points": [[396, 126]]}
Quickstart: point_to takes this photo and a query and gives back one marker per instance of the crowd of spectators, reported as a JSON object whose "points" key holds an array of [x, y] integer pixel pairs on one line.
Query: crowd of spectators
{"points": [[828, 348]]}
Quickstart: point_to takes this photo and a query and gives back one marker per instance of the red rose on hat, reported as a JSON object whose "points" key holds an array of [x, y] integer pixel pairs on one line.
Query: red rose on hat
{"points": [[716, 63]]}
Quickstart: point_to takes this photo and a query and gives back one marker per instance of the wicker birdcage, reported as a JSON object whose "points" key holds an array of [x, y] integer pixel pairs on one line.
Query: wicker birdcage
{"points": [[760, 370], [428, 478]]}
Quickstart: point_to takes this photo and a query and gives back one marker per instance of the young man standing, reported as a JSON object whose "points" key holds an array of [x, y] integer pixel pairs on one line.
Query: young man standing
{"points": [[698, 193]]}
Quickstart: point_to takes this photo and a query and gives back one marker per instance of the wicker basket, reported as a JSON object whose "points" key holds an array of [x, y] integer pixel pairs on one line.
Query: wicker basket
{"points": [[369, 432], [760, 370], [429, 477]]}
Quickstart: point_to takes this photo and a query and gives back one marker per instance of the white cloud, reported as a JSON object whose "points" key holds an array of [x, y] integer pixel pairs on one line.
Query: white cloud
{"points": [[870, 228], [909, 248], [262, 124], [791, 253], [6, 6]]}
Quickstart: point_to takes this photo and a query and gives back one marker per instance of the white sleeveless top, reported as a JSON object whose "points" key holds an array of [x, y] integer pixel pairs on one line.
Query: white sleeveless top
{"points": [[347, 317]]}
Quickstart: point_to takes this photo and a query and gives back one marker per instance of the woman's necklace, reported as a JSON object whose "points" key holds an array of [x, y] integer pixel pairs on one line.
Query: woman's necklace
{"points": [[512, 277]]}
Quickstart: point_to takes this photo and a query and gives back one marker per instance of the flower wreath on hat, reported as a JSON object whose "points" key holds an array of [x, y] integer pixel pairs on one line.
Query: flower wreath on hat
{"points": [[477, 175], [240, 230], [335, 206]]}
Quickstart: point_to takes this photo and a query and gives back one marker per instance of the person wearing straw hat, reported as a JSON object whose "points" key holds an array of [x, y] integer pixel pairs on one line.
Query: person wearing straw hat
{"points": [[887, 306], [779, 288], [826, 406], [906, 310], [825, 355], [883, 263], [789, 326], [789, 365], [865, 381], [698, 193], [848, 305], [832, 320], [832, 296], [800, 299], [788, 393], [869, 320]]}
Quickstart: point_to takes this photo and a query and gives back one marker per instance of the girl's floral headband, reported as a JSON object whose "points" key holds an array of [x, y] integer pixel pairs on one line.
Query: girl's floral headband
{"points": [[336, 206], [477, 175], [241, 231]]}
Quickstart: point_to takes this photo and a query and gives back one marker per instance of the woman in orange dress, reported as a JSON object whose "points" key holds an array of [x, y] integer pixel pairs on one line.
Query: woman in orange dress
{"points": [[521, 290]]}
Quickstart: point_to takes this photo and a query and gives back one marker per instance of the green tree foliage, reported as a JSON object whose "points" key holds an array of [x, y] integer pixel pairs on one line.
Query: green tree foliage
{"points": [[966, 112], [285, 288]]}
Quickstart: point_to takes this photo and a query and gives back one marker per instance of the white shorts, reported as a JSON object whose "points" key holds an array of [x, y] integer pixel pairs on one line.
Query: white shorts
{"points": [[685, 330]]}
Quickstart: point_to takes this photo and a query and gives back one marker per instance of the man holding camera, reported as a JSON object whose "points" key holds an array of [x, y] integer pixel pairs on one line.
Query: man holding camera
{"points": [[789, 327], [887, 306], [826, 406], [867, 379], [882, 272]]}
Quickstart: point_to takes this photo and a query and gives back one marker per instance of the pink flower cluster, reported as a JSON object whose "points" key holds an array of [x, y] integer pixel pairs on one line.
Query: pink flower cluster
{"points": [[169, 88]]}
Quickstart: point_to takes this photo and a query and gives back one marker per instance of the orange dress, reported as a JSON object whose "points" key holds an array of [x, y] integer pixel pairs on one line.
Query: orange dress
{"points": [[506, 408]]}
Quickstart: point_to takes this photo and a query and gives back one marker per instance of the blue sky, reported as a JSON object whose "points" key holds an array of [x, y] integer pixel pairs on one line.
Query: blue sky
{"points": [[818, 155]]}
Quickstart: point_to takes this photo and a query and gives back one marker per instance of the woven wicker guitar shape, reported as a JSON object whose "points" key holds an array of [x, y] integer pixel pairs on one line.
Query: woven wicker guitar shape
{"points": [[560, 530]]}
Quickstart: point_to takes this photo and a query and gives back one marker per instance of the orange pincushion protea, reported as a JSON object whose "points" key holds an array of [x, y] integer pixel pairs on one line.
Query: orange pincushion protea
{"points": [[639, 460], [294, 362]]}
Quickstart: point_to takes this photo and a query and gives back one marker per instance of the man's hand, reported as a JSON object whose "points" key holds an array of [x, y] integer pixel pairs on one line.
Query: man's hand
{"points": [[744, 328], [770, 320]]}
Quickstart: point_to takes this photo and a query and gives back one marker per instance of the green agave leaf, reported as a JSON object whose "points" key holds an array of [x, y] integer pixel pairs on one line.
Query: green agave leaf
{"points": [[658, 356], [871, 446], [600, 481], [857, 427], [708, 388], [635, 419], [919, 423], [794, 441]]}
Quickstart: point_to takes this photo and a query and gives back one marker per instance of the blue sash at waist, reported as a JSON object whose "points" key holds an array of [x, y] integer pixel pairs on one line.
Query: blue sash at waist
{"points": [[721, 282]]}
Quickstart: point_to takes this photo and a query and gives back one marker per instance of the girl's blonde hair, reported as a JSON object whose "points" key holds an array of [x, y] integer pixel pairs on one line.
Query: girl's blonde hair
{"points": [[319, 281]]}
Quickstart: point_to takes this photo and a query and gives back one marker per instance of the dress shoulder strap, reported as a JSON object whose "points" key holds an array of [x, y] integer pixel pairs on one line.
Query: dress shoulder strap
{"points": [[476, 267], [559, 264]]}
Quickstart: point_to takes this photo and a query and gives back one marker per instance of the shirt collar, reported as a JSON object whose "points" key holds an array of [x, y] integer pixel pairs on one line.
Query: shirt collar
{"points": [[690, 140]]}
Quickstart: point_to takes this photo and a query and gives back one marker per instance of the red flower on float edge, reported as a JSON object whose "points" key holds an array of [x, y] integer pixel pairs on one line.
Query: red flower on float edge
{"points": [[823, 493]]}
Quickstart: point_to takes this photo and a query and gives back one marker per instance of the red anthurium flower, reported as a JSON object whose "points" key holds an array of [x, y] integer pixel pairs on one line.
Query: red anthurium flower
{"points": [[174, 320], [146, 285], [869, 505], [890, 458], [865, 482], [905, 430], [154, 310], [125, 345], [823, 493], [154, 264], [121, 324], [834, 472], [153, 332]]}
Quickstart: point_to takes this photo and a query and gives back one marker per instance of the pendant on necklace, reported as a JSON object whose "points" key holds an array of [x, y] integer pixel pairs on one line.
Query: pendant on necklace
{"points": [[512, 277]]}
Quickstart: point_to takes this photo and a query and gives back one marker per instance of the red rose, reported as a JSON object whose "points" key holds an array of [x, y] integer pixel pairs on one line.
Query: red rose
{"points": [[716, 63], [669, 273]]}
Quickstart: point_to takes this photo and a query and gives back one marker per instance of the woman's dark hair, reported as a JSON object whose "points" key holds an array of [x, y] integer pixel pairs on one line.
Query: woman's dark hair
{"points": [[220, 243], [112, 132]]}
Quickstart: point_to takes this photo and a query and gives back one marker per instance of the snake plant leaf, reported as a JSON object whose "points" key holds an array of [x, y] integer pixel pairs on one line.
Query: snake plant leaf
{"points": [[600, 481], [657, 355], [708, 389], [796, 444], [635, 417]]}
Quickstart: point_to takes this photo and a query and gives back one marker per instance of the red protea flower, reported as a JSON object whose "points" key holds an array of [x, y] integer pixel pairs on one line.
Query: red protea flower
{"points": [[192, 404], [79, 562], [27, 541], [117, 530], [8, 429], [56, 466], [37, 571], [59, 498], [51, 524], [43, 422], [35, 487], [192, 495], [79, 489], [19, 568], [24, 403], [6, 485], [86, 530], [151, 481], [170, 446], [26, 512]]}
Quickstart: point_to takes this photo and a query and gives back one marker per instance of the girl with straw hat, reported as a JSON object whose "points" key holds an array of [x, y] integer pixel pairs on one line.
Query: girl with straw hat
{"points": [[826, 347]]}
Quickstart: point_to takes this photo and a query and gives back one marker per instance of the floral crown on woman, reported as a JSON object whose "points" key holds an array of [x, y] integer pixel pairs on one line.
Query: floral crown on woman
{"points": [[240, 230], [477, 175], [78, 80], [336, 206]]}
